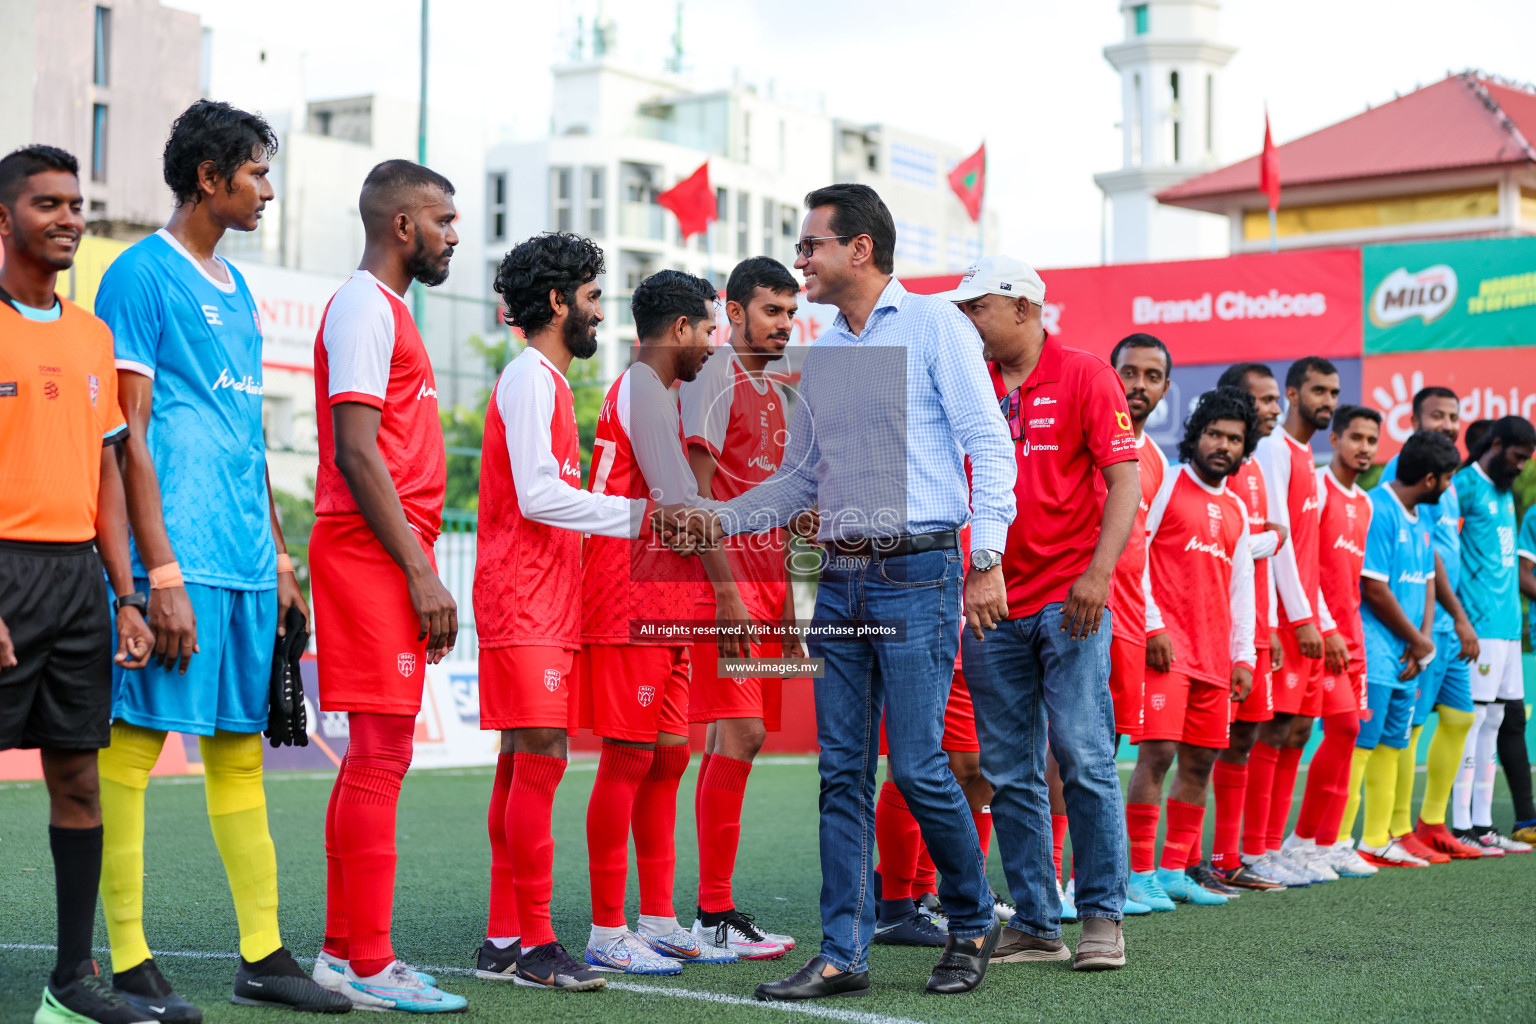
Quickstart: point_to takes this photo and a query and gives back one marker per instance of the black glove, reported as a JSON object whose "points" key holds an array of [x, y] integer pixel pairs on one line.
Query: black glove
{"points": [[287, 723]]}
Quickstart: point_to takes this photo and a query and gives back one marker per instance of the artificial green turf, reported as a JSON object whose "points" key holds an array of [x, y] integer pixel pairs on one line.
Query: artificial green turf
{"points": [[1447, 943]]}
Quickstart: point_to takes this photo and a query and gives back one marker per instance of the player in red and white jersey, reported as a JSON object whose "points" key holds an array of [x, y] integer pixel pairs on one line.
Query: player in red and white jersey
{"points": [[634, 668], [1344, 519], [1201, 576], [380, 610], [1285, 457], [1242, 790], [734, 424], [528, 592]]}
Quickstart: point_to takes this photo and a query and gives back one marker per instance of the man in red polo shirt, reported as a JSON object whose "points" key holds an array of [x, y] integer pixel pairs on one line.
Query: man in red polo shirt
{"points": [[1045, 669]]}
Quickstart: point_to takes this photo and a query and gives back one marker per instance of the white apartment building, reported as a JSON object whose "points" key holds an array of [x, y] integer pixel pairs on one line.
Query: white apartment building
{"points": [[619, 137]]}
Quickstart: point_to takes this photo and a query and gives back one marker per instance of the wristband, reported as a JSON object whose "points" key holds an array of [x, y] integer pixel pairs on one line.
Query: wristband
{"points": [[284, 563], [163, 577]]}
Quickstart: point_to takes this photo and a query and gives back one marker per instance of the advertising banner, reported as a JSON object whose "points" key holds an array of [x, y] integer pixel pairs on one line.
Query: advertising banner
{"points": [[1490, 383], [1434, 295], [1266, 307]]}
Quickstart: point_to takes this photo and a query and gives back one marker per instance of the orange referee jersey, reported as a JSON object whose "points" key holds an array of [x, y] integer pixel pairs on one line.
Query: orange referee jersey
{"points": [[58, 407]]}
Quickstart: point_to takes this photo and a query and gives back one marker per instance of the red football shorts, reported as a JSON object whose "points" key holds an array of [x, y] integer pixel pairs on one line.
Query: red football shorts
{"points": [[960, 718], [712, 697], [528, 688], [1338, 695], [1193, 711], [1260, 705], [1297, 678], [631, 692], [1127, 678], [370, 657]]}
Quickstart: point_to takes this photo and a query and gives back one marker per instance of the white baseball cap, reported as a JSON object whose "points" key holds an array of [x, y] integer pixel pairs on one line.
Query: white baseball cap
{"points": [[999, 275]]}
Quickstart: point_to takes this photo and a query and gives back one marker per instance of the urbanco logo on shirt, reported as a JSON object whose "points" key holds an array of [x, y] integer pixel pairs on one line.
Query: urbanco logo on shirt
{"points": [[248, 384]]}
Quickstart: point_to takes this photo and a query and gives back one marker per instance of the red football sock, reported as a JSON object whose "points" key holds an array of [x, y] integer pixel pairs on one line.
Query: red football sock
{"points": [[502, 922], [983, 821], [1230, 783], [1058, 840], [529, 806], [655, 827], [1141, 826], [897, 838], [1184, 824], [1347, 727], [1194, 852], [1324, 784], [720, 830], [926, 878], [698, 789], [378, 755], [620, 770], [1280, 803], [335, 888], [1261, 791]]}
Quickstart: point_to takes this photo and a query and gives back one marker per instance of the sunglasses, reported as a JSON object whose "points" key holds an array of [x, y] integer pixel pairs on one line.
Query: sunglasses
{"points": [[1012, 407], [806, 247]]}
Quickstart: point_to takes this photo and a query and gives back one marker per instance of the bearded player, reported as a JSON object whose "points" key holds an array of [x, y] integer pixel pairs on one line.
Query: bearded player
{"points": [[734, 419]]}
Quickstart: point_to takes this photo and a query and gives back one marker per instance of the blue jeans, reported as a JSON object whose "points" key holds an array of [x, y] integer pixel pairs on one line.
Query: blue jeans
{"points": [[909, 679], [1027, 680]]}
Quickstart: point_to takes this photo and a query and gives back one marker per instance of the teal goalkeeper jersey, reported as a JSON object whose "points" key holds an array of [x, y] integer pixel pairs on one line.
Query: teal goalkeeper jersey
{"points": [[1490, 589]]}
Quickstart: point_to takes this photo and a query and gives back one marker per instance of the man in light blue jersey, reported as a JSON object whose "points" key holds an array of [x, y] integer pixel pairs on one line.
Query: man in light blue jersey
{"points": [[1445, 686], [1397, 609], [1512, 753], [206, 549], [1490, 591]]}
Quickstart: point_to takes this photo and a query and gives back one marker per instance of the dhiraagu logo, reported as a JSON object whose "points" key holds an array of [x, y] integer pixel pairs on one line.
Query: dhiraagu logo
{"points": [[1427, 294]]}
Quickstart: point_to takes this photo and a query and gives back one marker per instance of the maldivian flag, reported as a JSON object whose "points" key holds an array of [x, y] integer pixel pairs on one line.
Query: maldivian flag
{"points": [[693, 201], [969, 180]]}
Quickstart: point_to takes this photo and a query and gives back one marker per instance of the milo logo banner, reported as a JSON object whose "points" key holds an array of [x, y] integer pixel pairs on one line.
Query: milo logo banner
{"points": [[1477, 294]]}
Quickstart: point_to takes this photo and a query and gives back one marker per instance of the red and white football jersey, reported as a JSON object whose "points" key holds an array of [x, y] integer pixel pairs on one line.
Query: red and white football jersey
{"points": [[638, 453], [740, 420], [1202, 576], [1344, 521], [1248, 484], [368, 350], [533, 511], [1127, 599], [1290, 475]]}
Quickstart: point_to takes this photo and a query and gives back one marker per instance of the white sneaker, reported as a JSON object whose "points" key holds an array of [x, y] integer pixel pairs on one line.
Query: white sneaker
{"points": [[737, 935], [1308, 860], [400, 988], [1349, 864], [1273, 864], [1002, 909], [929, 906], [1497, 840], [330, 973], [1068, 898], [1391, 855], [787, 941], [628, 954]]}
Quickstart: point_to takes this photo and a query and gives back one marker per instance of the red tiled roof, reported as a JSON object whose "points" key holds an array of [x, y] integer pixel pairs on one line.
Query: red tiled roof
{"points": [[1444, 126]]}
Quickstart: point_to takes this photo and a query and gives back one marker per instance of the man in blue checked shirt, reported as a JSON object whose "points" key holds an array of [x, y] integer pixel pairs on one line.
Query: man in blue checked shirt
{"points": [[891, 402]]}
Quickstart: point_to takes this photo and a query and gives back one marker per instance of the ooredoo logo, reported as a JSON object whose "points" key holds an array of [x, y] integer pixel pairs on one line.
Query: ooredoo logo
{"points": [[1427, 294]]}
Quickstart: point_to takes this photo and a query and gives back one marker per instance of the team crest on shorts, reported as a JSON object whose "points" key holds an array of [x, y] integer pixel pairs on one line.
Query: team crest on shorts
{"points": [[645, 694], [1328, 683], [406, 663], [1159, 702], [1291, 679], [1485, 668], [551, 679]]}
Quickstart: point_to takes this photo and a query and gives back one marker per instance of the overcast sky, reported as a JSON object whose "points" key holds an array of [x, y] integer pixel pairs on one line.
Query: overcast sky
{"points": [[1028, 76]]}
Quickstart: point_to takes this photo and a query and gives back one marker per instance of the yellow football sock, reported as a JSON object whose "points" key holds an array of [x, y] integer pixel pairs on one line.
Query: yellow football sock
{"points": [[1402, 809], [124, 771], [1443, 762], [1352, 804], [1380, 794], [237, 813]]}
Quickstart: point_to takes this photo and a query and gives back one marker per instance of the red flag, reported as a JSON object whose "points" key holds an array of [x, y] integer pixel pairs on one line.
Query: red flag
{"points": [[969, 180], [1269, 168], [693, 201]]}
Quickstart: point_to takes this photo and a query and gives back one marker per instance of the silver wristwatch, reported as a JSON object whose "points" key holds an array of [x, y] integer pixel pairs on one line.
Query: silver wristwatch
{"points": [[983, 559]]}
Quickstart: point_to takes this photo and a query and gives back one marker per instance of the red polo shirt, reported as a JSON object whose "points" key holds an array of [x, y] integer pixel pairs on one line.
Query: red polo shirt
{"points": [[1073, 422]]}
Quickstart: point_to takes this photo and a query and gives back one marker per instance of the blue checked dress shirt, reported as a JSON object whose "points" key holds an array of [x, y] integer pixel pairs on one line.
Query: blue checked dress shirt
{"points": [[882, 424]]}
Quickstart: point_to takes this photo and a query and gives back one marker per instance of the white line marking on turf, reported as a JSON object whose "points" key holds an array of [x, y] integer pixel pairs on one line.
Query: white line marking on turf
{"points": [[672, 992], [669, 991]]}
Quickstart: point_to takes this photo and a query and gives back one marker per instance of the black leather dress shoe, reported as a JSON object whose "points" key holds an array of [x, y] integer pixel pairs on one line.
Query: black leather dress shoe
{"points": [[963, 965], [808, 983]]}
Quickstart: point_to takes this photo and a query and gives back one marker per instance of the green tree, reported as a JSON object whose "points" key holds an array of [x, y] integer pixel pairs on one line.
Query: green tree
{"points": [[296, 516]]}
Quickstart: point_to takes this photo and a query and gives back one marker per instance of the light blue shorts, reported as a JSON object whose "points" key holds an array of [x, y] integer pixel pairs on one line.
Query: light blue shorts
{"points": [[1446, 681], [1388, 719], [228, 680]]}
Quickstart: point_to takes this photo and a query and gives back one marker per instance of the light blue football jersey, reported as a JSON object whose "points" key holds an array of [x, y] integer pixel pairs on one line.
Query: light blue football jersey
{"points": [[1447, 536], [1490, 582], [1399, 552], [1527, 549], [200, 339]]}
